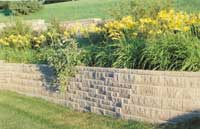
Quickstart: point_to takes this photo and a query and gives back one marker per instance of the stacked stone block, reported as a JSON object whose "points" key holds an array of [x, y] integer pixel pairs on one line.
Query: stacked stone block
{"points": [[154, 96], [39, 25]]}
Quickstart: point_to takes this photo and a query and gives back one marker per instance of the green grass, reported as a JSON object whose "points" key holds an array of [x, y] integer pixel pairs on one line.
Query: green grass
{"points": [[83, 9], [187, 5], [20, 112]]}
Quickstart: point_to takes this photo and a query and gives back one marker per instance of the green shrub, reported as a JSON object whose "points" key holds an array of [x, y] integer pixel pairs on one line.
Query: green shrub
{"points": [[63, 57], [172, 52], [24, 7]]}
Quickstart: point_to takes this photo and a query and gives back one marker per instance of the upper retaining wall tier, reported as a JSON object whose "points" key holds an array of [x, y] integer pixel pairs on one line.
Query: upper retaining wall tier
{"points": [[154, 96], [40, 25]]}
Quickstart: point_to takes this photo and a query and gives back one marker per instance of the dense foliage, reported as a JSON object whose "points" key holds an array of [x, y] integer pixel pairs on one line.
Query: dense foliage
{"points": [[63, 56], [172, 52], [23, 7], [167, 41]]}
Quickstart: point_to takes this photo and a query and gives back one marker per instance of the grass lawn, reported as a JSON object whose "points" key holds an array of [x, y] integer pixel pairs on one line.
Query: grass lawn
{"points": [[187, 5], [83, 9], [21, 112]]}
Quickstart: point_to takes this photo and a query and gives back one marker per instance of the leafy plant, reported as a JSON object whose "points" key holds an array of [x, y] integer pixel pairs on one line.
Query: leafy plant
{"points": [[104, 56], [120, 54], [63, 57], [172, 52], [100, 55], [128, 53], [19, 55], [54, 32]]}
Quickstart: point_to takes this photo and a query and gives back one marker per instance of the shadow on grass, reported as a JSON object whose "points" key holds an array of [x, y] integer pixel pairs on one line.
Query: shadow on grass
{"points": [[189, 120], [56, 1]]}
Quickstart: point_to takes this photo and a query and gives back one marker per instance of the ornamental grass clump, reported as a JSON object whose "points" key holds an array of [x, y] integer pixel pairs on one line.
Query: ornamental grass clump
{"points": [[172, 52], [128, 53]]}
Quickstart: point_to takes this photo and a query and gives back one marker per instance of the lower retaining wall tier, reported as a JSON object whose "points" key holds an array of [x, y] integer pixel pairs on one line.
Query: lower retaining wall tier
{"points": [[153, 96]]}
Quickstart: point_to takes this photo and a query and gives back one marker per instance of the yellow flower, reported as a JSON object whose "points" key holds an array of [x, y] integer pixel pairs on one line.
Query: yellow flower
{"points": [[151, 32], [34, 38], [128, 22], [20, 42], [42, 37], [2, 41], [135, 34], [186, 29], [66, 34], [49, 34], [37, 45], [159, 32]]}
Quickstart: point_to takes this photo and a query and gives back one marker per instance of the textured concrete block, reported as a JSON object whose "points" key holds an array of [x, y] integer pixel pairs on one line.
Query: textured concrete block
{"points": [[172, 104], [191, 105], [146, 101], [154, 96], [172, 92], [174, 81]]}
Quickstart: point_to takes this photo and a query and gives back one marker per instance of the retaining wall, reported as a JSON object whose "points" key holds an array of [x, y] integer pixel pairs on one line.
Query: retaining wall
{"points": [[40, 25], [153, 96]]}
